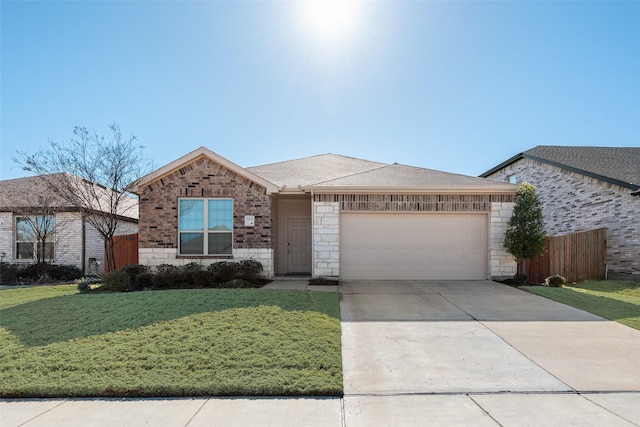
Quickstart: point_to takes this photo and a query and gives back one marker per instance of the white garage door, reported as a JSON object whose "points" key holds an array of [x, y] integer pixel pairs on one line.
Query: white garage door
{"points": [[413, 246]]}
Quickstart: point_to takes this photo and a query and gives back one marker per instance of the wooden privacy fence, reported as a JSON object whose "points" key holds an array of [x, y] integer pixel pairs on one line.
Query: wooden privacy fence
{"points": [[576, 257], [125, 249]]}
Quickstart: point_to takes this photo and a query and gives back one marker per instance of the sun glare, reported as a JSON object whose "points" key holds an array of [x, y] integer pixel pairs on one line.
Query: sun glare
{"points": [[331, 20]]}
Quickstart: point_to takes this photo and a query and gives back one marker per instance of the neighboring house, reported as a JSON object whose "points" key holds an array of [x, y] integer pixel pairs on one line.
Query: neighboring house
{"points": [[326, 215], [583, 188], [36, 223]]}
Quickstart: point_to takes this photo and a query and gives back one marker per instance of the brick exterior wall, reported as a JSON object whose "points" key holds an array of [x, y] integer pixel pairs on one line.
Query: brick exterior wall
{"points": [[158, 226], [573, 202]]}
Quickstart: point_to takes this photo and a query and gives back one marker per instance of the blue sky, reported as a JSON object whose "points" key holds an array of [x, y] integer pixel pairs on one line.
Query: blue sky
{"points": [[455, 86]]}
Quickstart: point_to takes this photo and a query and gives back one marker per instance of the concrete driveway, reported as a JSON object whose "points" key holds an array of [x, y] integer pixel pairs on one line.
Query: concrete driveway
{"points": [[482, 353]]}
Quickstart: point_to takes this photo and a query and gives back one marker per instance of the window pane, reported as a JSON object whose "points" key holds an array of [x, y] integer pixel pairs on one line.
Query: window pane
{"points": [[45, 224], [191, 243], [24, 250], [191, 214], [24, 230], [49, 250], [220, 243], [220, 215]]}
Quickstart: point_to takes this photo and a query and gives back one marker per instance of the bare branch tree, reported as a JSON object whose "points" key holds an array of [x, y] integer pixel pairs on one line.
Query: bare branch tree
{"points": [[39, 214], [94, 175]]}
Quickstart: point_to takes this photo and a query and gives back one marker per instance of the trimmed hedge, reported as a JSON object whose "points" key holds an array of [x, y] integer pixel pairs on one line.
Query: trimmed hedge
{"points": [[222, 274], [18, 273]]}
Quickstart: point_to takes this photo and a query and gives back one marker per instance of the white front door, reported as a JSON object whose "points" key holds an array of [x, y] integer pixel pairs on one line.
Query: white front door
{"points": [[298, 245]]}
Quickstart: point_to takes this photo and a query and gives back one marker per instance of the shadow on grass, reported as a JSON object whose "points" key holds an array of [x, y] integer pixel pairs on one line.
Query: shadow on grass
{"points": [[68, 317]]}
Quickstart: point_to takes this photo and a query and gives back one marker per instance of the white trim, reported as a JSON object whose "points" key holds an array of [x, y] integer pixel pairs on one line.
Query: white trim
{"points": [[494, 189]]}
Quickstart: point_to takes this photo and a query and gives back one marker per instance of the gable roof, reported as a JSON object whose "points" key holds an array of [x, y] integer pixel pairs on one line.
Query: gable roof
{"points": [[35, 192], [615, 165], [31, 191], [312, 170], [333, 172], [410, 178], [195, 155]]}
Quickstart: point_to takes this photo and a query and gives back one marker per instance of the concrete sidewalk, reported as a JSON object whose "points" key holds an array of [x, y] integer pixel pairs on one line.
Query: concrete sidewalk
{"points": [[422, 353], [231, 412]]}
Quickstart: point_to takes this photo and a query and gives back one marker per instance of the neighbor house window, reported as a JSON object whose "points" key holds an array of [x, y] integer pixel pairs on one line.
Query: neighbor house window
{"points": [[35, 237], [205, 226]]}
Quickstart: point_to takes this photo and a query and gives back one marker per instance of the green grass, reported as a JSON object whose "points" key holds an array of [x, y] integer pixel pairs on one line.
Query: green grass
{"points": [[617, 300], [55, 342]]}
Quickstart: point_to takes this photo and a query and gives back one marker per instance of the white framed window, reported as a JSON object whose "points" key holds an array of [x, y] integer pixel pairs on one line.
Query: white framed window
{"points": [[205, 226], [35, 237], [512, 179]]}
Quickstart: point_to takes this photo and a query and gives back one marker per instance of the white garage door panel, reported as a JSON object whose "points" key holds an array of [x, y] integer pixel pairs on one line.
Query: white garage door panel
{"points": [[413, 246]]}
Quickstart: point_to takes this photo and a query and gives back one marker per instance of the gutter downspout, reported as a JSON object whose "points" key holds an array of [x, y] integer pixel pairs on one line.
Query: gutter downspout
{"points": [[84, 245], [313, 253]]}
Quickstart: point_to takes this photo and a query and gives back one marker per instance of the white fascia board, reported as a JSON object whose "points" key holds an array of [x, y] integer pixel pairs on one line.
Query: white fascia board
{"points": [[506, 189]]}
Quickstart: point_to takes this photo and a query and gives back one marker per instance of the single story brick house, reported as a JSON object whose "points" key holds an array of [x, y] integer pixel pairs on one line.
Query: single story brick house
{"points": [[326, 216], [33, 219], [584, 188]]}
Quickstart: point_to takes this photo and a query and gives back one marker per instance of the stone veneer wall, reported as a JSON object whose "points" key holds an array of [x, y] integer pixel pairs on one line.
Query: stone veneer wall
{"points": [[154, 257], [574, 202], [326, 239], [326, 223], [158, 225], [501, 263]]}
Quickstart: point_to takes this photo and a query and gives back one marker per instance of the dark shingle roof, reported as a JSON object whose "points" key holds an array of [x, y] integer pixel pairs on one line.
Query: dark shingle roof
{"points": [[616, 165]]}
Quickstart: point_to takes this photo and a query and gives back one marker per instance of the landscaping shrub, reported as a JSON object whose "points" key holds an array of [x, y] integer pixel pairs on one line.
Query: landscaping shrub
{"points": [[166, 268], [133, 270], [520, 279], [29, 272], [64, 272], [555, 281], [166, 280], [116, 281], [324, 281], [18, 273], [223, 274], [144, 280], [226, 270], [168, 276], [205, 278], [188, 271], [10, 273], [249, 270]]}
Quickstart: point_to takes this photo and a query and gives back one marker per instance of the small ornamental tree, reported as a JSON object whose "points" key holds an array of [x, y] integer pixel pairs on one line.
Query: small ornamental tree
{"points": [[525, 237], [94, 175]]}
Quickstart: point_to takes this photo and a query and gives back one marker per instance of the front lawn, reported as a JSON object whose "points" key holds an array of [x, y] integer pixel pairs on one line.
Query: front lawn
{"points": [[617, 300], [55, 342]]}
